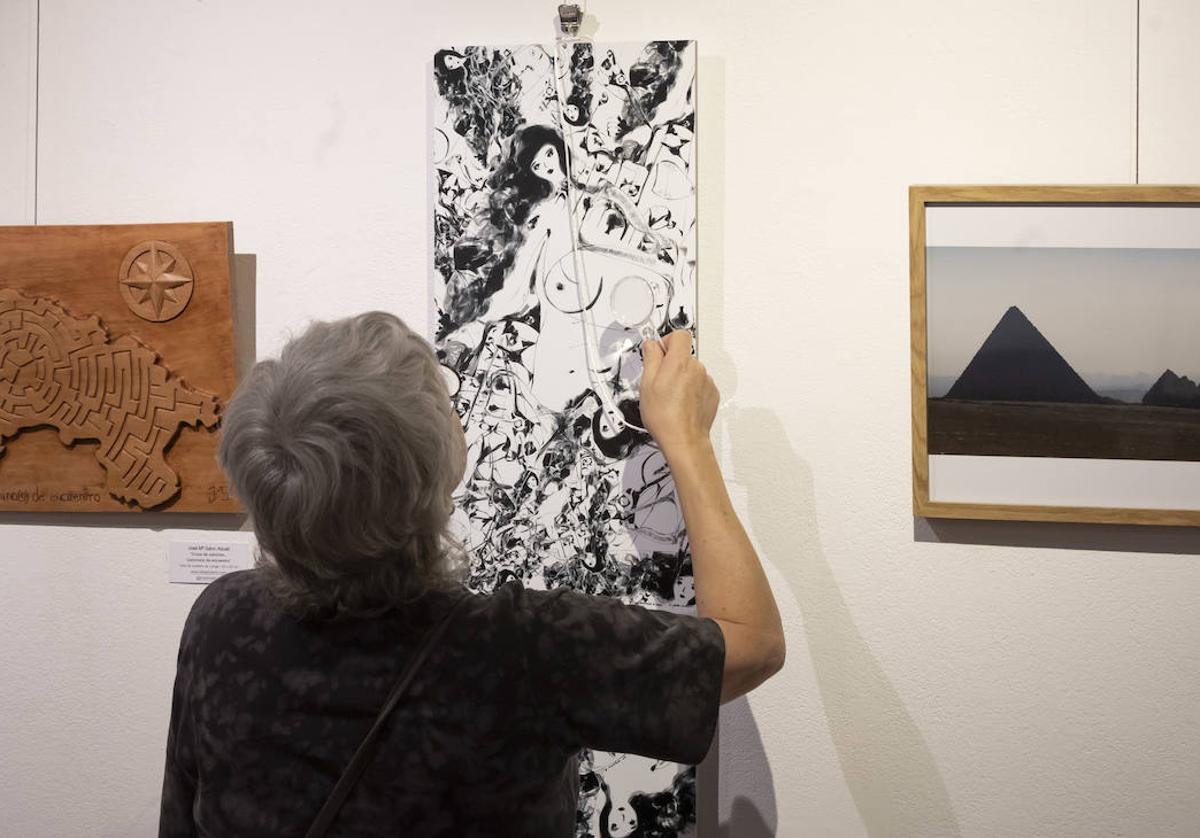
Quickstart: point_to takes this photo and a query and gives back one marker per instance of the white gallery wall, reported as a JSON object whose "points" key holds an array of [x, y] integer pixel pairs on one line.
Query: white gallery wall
{"points": [[942, 680]]}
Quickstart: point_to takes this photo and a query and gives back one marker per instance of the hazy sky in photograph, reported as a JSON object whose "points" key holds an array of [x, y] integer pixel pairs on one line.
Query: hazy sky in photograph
{"points": [[1114, 314]]}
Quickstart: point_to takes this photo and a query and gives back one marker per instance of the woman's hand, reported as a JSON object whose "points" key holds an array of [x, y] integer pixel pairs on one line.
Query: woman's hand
{"points": [[678, 397]]}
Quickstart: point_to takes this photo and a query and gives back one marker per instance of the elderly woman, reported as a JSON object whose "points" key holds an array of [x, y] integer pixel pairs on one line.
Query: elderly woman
{"points": [[345, 452]]}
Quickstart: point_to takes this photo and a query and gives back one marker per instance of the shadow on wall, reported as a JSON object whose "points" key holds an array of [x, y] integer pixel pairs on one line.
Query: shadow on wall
{"points": [[1124, 538], [745, 821], [893, 779], [753, 813], [756, 817], [894, 782]]}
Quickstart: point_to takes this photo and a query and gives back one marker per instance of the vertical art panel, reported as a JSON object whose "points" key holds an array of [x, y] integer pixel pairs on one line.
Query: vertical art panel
{"points": [[564, 232]]}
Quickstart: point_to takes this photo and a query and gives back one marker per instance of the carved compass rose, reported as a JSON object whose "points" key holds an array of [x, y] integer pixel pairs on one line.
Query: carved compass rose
{"points": [[156, 281]]}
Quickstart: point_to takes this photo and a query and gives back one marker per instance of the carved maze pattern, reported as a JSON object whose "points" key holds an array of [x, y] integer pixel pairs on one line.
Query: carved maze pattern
{"points": [[66, 372]]}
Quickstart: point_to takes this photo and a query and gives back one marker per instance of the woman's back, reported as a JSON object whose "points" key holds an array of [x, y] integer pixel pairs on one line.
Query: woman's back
{"points": [[346, 451], [268, 710]]}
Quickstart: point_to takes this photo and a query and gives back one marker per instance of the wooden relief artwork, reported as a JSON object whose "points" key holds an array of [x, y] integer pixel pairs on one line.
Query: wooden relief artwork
{"points": [[116, 357]]}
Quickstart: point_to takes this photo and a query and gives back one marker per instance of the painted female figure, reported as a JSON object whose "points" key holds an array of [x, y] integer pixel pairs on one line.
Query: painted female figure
{"points": [[519, 265]]}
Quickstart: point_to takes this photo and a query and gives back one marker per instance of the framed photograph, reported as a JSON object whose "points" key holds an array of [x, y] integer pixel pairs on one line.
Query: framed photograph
{"points": [[1056, 353]]}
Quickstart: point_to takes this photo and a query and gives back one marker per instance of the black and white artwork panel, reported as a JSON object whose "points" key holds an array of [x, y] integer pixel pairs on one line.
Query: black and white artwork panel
{"points": [[564, 236]]}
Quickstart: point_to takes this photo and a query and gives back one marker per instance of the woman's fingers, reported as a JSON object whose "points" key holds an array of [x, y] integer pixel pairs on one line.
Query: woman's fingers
{"points": [[679, 342], [652, 358], [678, 397]]}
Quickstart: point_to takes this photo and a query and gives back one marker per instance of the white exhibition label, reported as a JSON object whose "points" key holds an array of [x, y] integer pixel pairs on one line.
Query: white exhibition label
{"points": [[200, 562]]}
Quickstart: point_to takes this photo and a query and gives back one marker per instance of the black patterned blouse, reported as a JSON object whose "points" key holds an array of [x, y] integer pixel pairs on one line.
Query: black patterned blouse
{"points": [[268, 710]]}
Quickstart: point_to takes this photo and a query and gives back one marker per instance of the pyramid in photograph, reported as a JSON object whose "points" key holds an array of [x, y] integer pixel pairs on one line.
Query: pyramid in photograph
{"points": [[1173, 390], [1016, 363]]}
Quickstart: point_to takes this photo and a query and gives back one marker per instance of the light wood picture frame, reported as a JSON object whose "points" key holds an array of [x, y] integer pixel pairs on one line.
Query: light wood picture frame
{"points": [[1055, 342]]}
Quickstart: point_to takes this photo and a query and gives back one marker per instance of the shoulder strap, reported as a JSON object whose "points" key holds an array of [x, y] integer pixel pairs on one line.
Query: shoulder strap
{"points": [[366, 750]]}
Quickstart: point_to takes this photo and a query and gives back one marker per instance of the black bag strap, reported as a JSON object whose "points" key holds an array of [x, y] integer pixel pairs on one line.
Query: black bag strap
{"points": [[366, 751]]}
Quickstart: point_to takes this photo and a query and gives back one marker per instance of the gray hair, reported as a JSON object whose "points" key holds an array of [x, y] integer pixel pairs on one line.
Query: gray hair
{"points": [[345, 453]]}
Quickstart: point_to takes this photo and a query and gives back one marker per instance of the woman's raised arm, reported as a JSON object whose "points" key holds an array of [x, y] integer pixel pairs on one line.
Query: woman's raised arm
{"points": [[678, 402]]}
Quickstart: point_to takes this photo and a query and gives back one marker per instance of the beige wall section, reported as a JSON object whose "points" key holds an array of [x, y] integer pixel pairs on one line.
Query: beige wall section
{"points": [[18, 109], [1170, 92], [932, 689]]}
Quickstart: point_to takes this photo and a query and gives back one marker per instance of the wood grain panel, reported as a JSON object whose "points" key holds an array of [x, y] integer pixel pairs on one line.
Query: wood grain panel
{"points": [[74, 271]]}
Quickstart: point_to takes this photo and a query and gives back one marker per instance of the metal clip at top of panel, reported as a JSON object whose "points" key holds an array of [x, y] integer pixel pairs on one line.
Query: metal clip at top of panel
{"points": [[570, 17]]}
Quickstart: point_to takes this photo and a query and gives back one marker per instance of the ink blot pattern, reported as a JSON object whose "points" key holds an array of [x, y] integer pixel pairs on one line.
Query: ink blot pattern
{"points": [[562, 171]]}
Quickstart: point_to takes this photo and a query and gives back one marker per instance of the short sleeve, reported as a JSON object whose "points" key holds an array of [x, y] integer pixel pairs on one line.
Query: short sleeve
{"points": [[623, 678]]}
